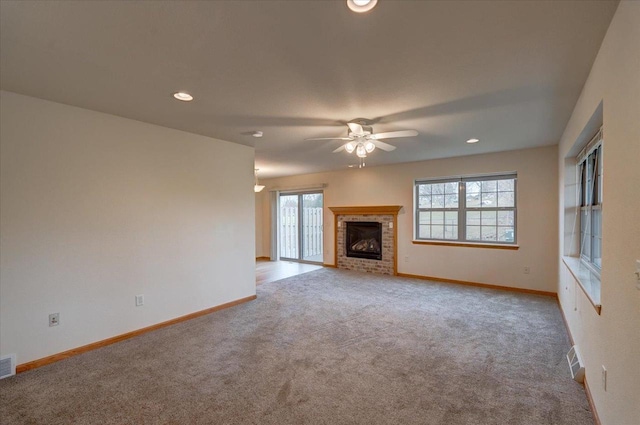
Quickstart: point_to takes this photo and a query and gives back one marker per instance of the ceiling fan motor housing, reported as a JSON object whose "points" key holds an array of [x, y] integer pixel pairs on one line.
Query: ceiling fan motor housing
{"points": [[365, 129]]}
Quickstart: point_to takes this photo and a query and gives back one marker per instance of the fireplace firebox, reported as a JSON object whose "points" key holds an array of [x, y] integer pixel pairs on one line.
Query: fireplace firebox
{"points": [[364, 239]]}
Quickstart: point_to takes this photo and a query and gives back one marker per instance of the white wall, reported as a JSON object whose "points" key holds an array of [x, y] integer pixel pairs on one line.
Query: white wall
{"points": [[393, 185], [96, 209], [613, 338]]}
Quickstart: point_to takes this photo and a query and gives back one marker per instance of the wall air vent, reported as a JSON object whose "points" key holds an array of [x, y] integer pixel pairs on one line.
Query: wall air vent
{"points": [[7, 366], [575, 364]]}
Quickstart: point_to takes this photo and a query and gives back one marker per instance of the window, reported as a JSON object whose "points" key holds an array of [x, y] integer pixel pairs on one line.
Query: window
{"points": [[590, 195], [479, 209]]}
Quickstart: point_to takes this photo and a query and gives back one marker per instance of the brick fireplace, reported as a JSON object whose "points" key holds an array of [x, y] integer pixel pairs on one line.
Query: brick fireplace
{"points": [[346, 247]]}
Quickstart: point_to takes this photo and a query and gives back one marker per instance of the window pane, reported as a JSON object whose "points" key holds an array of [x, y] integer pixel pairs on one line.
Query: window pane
{"points": [[505, 185], [424, 201], [424, 217], [473, 233], [424, 231], [582, 184], [506, 234], [505, 218], [583, 189], [599, 201], [489, 199], [437, 189], [597, 252], [472, 187], [451, 201], [451, 217], [451, 225], [488, 233], [451, 232], [437, 201], [489, 218], [424, 189], [596, 216], [596, 239], [585, 242], [451, 188], [473, 200], [437, 217], [437, 232], [473, 218], [489, 186], [589, 182], [506, 199]]}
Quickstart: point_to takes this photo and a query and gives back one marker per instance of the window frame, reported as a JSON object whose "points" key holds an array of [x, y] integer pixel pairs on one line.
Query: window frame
{"points": [[462, 208], [590, 200]]}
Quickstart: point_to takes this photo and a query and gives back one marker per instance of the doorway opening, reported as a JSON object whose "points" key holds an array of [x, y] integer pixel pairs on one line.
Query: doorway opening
{"points": [[300, 227]]}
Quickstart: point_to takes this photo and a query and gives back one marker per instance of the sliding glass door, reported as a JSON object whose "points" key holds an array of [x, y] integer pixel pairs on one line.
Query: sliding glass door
{"points": [[300, 229]]}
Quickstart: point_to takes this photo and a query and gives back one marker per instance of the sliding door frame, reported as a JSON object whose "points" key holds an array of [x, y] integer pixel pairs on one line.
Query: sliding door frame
{"points": [[278, 219]]}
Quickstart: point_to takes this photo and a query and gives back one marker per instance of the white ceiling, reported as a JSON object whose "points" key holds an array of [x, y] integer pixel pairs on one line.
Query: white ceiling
{"points": [[506, 72]]}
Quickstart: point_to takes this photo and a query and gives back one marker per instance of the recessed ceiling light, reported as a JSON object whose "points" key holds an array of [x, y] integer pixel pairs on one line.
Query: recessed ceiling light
{"points": [[183, 96], [361, 6], [257, 134], [472, 141]]}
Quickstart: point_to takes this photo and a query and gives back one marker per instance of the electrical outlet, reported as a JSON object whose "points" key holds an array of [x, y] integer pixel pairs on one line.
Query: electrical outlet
{"points": [[406, 259], [54, 319], [604, 378], [527, 270], [139, 300]]}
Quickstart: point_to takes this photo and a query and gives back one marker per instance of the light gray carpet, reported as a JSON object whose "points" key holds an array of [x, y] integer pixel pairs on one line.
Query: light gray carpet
{"points": [[325, 347]]}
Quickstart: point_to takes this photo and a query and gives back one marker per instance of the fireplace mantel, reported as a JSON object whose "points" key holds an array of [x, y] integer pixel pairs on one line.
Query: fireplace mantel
{"points": [[367, 210], [370, 210]]}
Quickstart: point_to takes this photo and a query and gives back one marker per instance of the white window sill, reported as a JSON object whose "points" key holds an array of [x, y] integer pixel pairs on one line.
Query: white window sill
{"points": [[587, 280]]}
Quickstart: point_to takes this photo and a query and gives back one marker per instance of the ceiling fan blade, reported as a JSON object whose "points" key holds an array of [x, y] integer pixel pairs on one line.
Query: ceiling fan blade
{"points": [[346, 139], [356, 129], [392, 134], [382, 145], [340, 149]]}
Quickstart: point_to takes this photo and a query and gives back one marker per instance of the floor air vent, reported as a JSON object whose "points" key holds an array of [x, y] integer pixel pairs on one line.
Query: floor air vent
{"points": [[7, 366], [575, 364]]}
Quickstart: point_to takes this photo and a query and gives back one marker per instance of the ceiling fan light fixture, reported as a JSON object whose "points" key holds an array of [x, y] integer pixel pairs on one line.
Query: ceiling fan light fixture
{"points": [[361, 151], [369, 146], [361, 6], [350, 147]]}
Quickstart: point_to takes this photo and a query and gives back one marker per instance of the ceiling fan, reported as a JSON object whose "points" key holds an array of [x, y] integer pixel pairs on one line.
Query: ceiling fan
{"points": [[361, 139]]}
